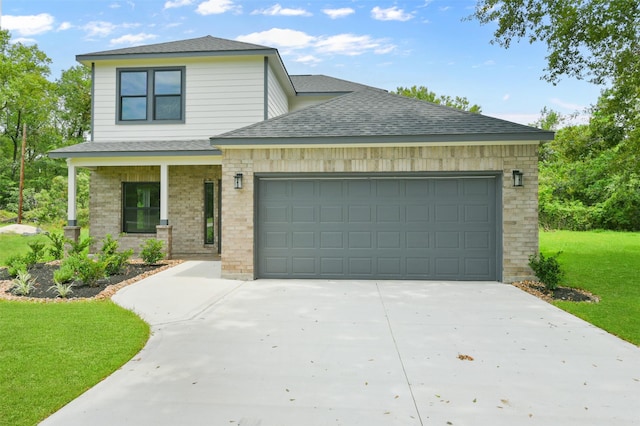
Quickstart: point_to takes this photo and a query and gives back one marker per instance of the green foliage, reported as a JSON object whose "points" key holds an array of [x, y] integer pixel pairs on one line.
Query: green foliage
{"points": [[152, 251], [61, 289], [53, 352], [113, 260], [16, 264], [79, 247], [23, 284], [37, 250], [425, 94], [65, 273], [56, 250], [547, 269], [85, 269], [56, 114]]}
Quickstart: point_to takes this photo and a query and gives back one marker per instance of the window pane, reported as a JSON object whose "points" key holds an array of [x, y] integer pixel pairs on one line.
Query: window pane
{"points": [[208, 213], [141, 207], [133, 83], [168, 108], [133, 109], [168, 82]]}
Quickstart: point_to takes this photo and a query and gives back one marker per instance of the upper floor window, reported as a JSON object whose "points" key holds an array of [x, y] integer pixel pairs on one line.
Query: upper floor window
{"points": [[151, 95]]}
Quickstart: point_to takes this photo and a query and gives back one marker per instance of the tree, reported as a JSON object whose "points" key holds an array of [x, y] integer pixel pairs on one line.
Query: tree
{"points": [[596, 40], [425, 94]]}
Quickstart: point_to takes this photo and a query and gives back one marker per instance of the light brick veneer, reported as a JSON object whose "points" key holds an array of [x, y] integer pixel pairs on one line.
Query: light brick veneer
{"points": [[520, 205], [186, 203]]}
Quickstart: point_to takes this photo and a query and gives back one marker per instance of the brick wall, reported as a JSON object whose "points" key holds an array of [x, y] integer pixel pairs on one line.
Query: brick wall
{"points": [[186, 202], [520, 212]]}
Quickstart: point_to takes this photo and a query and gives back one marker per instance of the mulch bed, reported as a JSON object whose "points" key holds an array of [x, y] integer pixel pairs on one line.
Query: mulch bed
{"points": [[105, 288], [567, 294]]}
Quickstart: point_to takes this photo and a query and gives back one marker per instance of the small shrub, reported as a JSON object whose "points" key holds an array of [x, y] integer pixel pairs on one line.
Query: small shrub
{"points": [[152, 251], [61, 289], [109, 246], [116, 263], [16, 264], [23, 284], [90, 271], [80, 246], [547, 269], [36, 254], [56, 250], [66, 273], [83, 268], [113, 260]]}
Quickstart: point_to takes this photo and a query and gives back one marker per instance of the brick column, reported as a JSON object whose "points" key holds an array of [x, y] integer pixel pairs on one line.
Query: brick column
{"points": [[164, 233], [71, 233]]}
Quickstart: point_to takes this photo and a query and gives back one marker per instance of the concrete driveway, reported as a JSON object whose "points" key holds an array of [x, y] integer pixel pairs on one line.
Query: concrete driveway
{"points": [[273, 352]]}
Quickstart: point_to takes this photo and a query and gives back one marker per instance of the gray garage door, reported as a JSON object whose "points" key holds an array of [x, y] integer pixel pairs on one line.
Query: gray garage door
{"points": [[365, 228]]}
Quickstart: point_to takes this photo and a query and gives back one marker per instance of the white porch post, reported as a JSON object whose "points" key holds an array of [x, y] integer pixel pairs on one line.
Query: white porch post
{"points": [[72, 219], [164, 194]]}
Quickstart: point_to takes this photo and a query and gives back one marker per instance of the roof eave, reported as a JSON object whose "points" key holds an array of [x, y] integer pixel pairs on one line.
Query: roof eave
{"points": [[100, 154], [88, 58], [363, 140]]}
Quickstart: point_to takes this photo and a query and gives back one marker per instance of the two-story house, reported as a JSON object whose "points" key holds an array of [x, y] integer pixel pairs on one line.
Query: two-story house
{"points": [[211, 146]]}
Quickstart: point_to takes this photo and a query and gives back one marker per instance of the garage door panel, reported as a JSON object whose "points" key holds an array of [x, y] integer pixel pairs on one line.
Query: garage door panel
{"points": [[303, 240], [414, 228], [332, 266]]}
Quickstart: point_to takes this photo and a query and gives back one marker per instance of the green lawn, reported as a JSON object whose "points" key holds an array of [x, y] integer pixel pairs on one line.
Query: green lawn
{"points": [[607, 264], [52, 352], [13, 244]]}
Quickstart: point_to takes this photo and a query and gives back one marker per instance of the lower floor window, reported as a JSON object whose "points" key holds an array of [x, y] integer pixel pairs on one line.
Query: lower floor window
{"points": [[208, 213], [140, 207]]}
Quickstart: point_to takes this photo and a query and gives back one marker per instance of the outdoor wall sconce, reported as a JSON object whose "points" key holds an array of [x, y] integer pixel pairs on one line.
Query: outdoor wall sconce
{"points": [[518, 178], [237, 181]]}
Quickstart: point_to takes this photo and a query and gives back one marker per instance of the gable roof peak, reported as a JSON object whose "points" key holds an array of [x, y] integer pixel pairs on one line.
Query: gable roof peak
{"points": [[205, 45]]}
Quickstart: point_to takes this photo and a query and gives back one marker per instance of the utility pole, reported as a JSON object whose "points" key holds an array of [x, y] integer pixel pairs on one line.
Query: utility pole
{"points": [[24, 148]]}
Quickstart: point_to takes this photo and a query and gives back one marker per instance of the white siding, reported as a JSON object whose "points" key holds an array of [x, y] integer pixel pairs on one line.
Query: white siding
{"points": [[278, 103], [222, 94]]}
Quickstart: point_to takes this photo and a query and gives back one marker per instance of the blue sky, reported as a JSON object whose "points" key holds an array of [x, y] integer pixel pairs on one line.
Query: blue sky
{"points": [[382, 43]]}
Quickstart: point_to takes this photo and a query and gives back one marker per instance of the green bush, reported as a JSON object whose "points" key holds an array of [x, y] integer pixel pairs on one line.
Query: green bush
{"points": [[56, 250], [79, 247], [16, 264], [36, 254], [113, 260], [547, 269], [152, 251], [66, 273], [84, 269]]}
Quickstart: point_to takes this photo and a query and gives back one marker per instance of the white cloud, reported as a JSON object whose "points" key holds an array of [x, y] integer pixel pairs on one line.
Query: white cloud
{"points": [[278, 37], [390, 14], [352, 45], [131, 39], [338, 13], [277, 10], [24, 40], [506, 97], [99, 28], [216, 7], [28, 24], [341, 44], [65, 26], [567, 105], [177, 3], [307, 59]]}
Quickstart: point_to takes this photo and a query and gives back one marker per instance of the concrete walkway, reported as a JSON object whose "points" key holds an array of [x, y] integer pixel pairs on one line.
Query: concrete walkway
{"points": [[273, 352]]}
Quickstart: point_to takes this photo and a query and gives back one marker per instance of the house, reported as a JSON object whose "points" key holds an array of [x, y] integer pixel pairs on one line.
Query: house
{"points": [[212, 147]]}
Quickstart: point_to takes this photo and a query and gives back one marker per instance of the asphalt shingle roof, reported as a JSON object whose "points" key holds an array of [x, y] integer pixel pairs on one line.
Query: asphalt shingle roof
{"points": [[206, 44], [319, 83], [377, 116], [137, 148]]}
